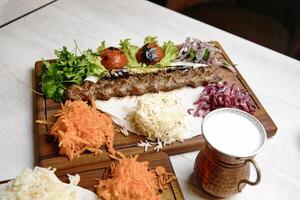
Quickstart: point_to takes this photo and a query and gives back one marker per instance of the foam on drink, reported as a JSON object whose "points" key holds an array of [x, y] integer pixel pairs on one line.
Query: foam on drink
{"points": [[233, 132]]}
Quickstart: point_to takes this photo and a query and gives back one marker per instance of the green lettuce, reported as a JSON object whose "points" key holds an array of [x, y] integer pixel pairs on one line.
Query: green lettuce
{"points": [[93, 64], [130, 51], [101, 48], [170, 54], [150, 39]]}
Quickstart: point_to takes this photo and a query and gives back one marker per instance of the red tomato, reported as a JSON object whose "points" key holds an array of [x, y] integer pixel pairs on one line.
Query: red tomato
{"points": [[150, 54], [113, 58]]}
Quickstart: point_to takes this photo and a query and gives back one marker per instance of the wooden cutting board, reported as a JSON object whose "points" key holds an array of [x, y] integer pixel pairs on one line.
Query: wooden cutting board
{"points": [[101, 170], [47, 148], [89, 173]]}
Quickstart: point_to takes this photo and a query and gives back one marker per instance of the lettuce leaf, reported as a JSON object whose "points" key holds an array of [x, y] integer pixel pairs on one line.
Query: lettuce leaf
{"points": [[101, 48], [170, 54], [150, 39], [93, 63], [130, 51]]}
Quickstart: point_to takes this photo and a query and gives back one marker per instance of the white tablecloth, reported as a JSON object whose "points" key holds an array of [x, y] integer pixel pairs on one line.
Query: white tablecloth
{"points": [[273, 77]]}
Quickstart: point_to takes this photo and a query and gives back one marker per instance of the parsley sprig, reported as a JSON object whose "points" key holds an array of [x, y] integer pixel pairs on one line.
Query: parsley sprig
{"points": [[69, 67]]}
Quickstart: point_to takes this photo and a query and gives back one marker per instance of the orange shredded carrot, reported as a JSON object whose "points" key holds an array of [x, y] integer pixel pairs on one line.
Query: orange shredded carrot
{"points": [[81, 127], [132, 180]]}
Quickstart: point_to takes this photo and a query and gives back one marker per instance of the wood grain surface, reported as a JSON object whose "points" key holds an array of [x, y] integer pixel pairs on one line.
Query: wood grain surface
{"points": [[90, 173], [48, 155]]}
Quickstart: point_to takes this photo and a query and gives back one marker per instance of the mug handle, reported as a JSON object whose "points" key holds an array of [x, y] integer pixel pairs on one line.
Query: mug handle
{"points": [[258, 175]]}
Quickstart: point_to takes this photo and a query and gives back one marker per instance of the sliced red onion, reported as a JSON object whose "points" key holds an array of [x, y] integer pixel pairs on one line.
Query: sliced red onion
{"points": [[222, 95], [215, 56]]}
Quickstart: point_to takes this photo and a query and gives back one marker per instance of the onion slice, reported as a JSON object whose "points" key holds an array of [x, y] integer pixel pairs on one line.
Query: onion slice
{"points": [[222, 95]]}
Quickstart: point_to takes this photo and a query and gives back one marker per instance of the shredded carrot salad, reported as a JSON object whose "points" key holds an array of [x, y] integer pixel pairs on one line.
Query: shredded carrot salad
{"points": [[81, 127], [133, 180]]}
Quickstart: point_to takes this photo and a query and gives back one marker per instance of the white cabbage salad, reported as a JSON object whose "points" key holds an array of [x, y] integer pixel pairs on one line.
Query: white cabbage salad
{"points": [[161, 115], [43, 184]]}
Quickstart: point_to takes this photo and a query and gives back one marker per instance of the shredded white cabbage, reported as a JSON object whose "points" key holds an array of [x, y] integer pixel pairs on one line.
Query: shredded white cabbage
{"points": [[161, 117], [121, 110], [40, 184]]}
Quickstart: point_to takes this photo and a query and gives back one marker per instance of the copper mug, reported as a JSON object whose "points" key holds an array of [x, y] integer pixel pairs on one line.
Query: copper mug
{"points": [[222, 167]]}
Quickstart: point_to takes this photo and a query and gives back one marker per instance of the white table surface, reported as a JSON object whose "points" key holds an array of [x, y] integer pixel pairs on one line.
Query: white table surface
{"points": [[12, 9], [273, 77]]}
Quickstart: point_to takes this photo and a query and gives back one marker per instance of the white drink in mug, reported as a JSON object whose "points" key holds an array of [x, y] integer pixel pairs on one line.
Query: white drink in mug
{"points": [[234, 133], [233, 137]]}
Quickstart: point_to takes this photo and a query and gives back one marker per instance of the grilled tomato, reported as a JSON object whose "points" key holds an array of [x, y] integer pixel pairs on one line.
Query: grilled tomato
{"points": [[113, 58], [150, 54]]}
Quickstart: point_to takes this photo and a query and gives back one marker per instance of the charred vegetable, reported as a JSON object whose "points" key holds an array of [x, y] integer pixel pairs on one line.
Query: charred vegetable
{"points": [[160, 56], [150, 54], [113, 58]]}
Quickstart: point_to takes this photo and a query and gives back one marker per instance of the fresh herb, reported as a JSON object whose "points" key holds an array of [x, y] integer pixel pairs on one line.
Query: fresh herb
{"points": [[192, 54], [69, 68], [206, 55]]}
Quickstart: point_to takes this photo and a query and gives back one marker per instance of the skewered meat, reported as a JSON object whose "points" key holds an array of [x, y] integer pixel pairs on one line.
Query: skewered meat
{"points": [[139, 84]]}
